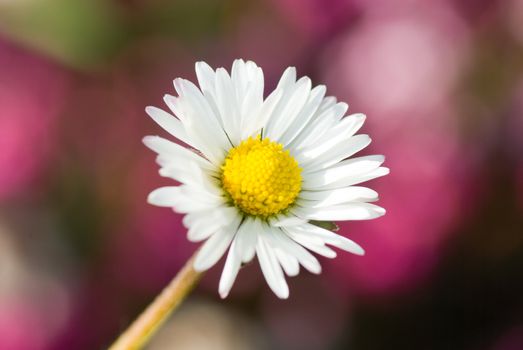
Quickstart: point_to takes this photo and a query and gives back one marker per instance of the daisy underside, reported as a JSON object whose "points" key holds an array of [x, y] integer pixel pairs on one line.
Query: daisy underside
{"points": [[255, 175]]}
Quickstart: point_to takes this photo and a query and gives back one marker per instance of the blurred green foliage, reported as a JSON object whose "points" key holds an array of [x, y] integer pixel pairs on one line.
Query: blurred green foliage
{"points": [[78, 33]]}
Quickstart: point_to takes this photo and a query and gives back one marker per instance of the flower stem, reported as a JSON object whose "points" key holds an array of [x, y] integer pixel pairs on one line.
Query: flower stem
{"points": [[150, 320]]}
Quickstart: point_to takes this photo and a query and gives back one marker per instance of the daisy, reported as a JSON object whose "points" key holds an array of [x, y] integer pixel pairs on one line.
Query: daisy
{"points": [[257, 176]]}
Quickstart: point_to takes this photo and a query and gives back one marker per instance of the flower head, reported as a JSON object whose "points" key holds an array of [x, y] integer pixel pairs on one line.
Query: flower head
{"points": [[256, 174]]}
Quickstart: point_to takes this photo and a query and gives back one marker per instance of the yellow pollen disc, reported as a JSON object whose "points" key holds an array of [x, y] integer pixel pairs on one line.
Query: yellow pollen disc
{"points": [[261, 177]]}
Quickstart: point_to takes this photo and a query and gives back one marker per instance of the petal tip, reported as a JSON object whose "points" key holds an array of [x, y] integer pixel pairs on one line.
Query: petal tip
{"points": [[317, 270], [200, 64], [148, 139], [238, 61], [379, 212], [380, 158], [358, 251], [283, 294], [199, 264]]}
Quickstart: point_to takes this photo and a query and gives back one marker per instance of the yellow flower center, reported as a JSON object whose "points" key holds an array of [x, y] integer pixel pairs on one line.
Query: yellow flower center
{"points": [[261, 177]]}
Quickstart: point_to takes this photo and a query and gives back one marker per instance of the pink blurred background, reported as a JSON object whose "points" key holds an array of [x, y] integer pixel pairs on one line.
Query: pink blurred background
{"points": [[81, 252]]}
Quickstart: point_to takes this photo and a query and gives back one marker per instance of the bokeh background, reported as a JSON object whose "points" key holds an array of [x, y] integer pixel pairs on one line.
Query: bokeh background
{"points": [[81, 253]]}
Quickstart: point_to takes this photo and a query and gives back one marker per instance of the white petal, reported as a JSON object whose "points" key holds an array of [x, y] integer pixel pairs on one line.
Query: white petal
{"points": [[352, 180], [350, 211], [248, 82], [198, 117], [169, 123], [331, 238], [201, 225], [253, 125], [288, 109], [255, 87], [288, 262], [239, 76], [214, 248], [196, 103], [205, 75], [271, 269], [321, 122], [305, 115], [343, 170], [305, 258], [227, 104], [251, 104], [381, 171], [315, 130], [354, 166], [189, 174], [287, 79], [164, 196], [339, 196], [338, 130], [175, 151], [183, 198], [337, 137], [344, 127], [200, 175], [247, 237], [286, 220], [230, 271], [241, 250], [202, 193], [311, 242], [279, 97], [202, 230], [333, 155], [327, 103]]}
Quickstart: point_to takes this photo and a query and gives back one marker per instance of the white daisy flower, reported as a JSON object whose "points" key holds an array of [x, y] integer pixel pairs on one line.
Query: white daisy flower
{"points": [[257, 174]]}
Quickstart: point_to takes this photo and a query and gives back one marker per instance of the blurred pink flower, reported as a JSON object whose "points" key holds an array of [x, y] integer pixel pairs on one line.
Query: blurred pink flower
{"points": [[20, 327], [150, 251], [32, 92], [406, 63], [316, 17], [401, 69]]}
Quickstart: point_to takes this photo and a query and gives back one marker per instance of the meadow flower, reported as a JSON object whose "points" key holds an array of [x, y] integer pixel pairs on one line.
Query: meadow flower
{"points": [[257, 176]]}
